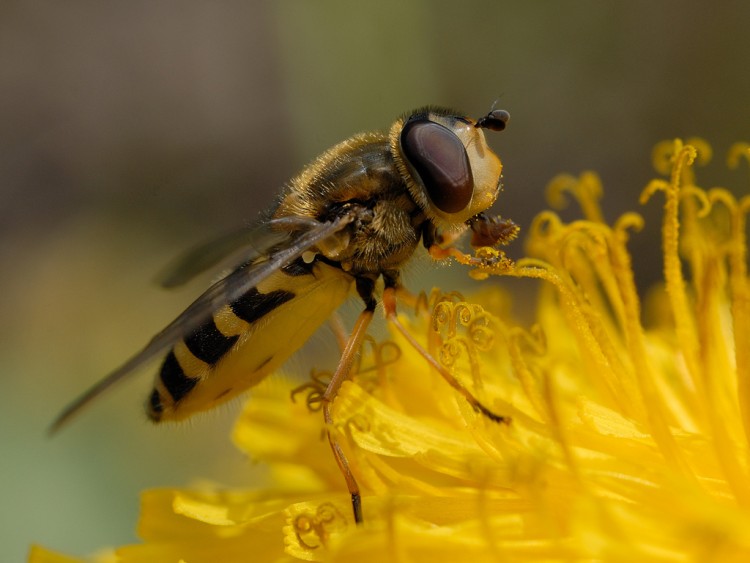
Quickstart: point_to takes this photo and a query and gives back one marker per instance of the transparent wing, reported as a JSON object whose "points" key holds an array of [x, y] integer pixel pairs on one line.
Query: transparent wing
{"points": [[207, 255], [245, 245], [226, 290]]}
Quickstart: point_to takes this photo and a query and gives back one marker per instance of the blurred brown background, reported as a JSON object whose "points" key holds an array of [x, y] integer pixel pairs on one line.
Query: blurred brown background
{"points": [[130, 131]]}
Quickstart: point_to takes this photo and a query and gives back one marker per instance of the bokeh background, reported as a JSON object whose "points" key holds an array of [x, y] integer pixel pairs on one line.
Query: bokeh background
{"points": [[129, 131]]}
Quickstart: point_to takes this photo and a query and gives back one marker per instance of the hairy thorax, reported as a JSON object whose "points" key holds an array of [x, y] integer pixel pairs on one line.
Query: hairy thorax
{"points": [[358, 177]]}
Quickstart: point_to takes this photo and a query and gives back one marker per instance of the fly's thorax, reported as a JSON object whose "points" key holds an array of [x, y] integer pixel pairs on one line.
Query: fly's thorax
{"points": [[383, 237], [357, 177], [358, 168], [446, 164]]}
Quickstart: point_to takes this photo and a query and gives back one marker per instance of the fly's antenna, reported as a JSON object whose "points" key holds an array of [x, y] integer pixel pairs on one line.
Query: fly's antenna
{"points": [[495, 120]]}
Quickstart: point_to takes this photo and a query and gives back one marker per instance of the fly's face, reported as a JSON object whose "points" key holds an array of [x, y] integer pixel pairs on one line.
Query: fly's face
{"points": [[449, 169]]}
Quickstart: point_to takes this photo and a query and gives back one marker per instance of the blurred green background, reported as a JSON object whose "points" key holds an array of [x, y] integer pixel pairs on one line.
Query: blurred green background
{"points": [[130, 131]]}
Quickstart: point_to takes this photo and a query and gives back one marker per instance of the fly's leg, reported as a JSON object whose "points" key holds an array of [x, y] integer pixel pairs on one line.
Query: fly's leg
{"points": [[340, 375], [365, 289], [485, 231], [339, 330], [389, 304]]}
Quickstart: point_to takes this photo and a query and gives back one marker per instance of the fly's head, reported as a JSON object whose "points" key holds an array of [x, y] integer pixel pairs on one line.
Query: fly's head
{"points": [[443, 156]]}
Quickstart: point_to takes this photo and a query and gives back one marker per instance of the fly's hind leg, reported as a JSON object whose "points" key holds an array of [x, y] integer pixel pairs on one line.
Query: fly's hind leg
{"points": [[365, 287], [389, 304]]}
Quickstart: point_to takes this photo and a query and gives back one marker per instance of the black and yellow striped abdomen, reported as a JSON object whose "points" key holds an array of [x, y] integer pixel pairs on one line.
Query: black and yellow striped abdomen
{"points": [[247, 339]]}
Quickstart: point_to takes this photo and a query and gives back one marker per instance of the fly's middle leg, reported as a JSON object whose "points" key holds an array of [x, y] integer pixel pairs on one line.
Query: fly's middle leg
{"points": [[389, 304]]}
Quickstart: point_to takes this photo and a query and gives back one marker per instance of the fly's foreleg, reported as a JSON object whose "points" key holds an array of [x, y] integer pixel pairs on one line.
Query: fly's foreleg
{"points": [[365, 289], [485, 231]]}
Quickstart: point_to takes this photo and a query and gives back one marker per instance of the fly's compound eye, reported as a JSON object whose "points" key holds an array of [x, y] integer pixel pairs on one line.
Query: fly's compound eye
{"points": [[439, 158]]}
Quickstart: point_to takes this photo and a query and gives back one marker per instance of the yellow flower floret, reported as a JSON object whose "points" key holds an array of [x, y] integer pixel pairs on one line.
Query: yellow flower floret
{"points": [[626, 441]]}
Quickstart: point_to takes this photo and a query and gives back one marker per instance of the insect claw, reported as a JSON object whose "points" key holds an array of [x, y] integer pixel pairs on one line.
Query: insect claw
{"points": [[481, 409], [357, 508]]}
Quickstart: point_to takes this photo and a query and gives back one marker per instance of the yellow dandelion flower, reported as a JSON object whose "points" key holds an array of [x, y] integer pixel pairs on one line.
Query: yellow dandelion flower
{"points": [[626, 441]]}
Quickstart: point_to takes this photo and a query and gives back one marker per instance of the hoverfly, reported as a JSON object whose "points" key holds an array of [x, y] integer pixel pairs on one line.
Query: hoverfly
{"points": [[354, 215]]}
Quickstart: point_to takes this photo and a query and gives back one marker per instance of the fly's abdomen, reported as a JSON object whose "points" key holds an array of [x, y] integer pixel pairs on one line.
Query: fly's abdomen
{"points": [[244, 341]]}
